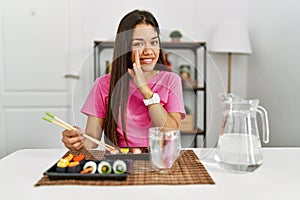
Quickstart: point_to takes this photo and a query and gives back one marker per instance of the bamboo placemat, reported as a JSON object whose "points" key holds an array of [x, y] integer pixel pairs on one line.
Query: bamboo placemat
{"points": [[187, 170]]}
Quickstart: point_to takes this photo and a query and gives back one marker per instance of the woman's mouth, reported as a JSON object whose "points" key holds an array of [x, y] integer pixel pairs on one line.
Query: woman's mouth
{"points": [[146, 60]]}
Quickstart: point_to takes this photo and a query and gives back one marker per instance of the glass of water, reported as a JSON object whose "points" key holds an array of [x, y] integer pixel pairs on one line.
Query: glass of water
{"points": [[165, 145]]}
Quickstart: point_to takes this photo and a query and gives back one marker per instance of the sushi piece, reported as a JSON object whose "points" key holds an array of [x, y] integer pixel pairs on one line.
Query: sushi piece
{"points": [[136, 150], [89, 168], [124, 150], [114, 151], [69, 157], [79, 158], [119, 167], [62, 165], [74, 167], [104, 167]]}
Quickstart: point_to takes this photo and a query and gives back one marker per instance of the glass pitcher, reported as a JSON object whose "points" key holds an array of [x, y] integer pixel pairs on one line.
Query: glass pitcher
{"points": [[239, 147]]}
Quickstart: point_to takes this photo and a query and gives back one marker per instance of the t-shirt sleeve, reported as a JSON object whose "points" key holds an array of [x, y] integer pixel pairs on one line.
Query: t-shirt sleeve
{"points": [[175, 101], [95, 103]]}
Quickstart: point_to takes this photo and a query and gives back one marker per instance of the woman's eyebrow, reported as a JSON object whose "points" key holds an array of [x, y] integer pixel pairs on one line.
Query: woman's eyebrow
{"points": [[141, 39]]}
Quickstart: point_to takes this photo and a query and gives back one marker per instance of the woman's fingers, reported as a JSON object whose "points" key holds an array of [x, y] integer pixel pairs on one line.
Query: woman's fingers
{"points": [[131, 73], [72, 139], [137, 58], [77, 146], [69, 133], [73, 144], [137, 65], [136, 73]]}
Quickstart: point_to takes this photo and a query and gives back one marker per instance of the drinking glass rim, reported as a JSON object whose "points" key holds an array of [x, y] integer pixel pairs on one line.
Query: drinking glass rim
{"points": [[159, 128]]}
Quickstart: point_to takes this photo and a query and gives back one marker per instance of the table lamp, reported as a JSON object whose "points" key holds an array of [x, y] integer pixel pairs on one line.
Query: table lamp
{"points": [[230, 36]]}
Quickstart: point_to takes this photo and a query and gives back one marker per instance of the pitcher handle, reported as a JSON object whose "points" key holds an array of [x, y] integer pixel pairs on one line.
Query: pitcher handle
{"points": [[265, 123]]}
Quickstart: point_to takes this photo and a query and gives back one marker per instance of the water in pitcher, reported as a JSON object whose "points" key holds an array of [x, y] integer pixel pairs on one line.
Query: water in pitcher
{"points": [[239, 152]]}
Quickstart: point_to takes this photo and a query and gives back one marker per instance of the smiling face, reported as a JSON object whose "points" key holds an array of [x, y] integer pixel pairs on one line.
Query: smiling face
{"points": [[145, 40]]}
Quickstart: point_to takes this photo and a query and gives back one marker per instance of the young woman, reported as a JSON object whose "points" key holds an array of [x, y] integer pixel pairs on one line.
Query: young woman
{"points": [[137, 94]]}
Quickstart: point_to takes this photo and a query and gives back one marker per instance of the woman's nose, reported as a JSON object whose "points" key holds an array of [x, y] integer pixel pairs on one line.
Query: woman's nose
{"points": [[147, 50]]}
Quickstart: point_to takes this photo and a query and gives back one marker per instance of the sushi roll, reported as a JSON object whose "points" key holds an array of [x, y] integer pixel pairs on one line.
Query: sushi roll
{"points": [[104, 167], [62, 165], [119, 167], [74, 167], [89, 168]]}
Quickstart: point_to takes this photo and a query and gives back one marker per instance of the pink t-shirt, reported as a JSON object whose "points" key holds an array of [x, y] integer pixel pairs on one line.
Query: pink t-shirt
{"points": [[166, 84]]}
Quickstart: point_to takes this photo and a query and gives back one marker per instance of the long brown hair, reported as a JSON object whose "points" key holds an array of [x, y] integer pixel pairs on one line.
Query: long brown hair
{"points": [[119, 81]]}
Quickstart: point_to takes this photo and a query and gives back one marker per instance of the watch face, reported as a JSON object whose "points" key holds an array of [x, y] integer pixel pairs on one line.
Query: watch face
{"points": [[154, 99]]}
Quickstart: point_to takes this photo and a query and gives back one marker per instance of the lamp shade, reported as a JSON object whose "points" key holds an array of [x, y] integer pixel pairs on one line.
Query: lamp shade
{"points": [[230, 36]]}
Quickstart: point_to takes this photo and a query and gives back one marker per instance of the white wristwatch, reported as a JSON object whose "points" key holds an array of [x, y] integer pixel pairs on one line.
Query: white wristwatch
{"points": [[154, 99]]}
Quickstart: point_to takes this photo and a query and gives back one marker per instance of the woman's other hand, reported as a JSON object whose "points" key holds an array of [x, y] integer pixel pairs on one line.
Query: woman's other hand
{"points": [[73, 139]]}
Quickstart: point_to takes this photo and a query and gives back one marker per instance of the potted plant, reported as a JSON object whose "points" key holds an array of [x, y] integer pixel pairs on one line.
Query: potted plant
{"points": [[175, 36]]}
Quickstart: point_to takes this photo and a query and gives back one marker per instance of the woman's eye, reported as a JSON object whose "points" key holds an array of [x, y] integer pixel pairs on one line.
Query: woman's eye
{"points": [[138, 44], [154, 43]]}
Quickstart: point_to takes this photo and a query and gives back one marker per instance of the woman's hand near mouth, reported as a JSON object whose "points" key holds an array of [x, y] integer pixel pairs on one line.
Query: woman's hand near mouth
{"points": [[137, 73], [138, 77]]}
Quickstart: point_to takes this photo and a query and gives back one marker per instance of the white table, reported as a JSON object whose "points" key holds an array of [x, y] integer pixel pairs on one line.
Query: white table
{"points": [[277, 178]]}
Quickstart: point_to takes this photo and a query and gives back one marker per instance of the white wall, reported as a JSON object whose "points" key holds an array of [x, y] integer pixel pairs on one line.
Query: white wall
{"points": [[274, 69]]}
